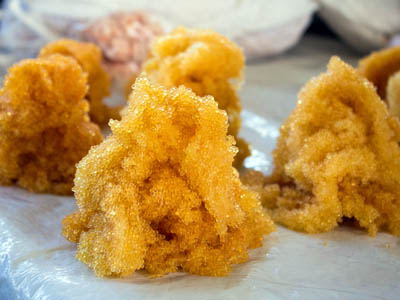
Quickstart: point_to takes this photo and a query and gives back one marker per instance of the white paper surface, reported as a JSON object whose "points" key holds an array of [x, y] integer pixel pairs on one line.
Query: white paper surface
{"points": [[36, 262]]}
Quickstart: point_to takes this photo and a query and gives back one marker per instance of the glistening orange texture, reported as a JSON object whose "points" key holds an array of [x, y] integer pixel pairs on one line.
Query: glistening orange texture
{"points": [[205, 62], [337, 156], [160, 193], [44, 126]]}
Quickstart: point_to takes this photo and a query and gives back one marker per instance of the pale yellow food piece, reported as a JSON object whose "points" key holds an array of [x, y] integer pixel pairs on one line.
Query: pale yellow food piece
{"points": [[337, 156], [89, 57], [393, 94], [44, 125], [160, 192], [205, 62], [379, 66]]}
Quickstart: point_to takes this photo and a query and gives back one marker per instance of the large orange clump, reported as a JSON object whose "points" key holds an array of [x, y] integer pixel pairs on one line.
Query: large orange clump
{"points": [[44, 125], [379, 68], [338, 156], [89, 57], [160, 192], [205, 62]]}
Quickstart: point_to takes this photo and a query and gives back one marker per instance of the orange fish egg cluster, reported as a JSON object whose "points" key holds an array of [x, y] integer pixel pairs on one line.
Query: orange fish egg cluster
{"points": [[205, 62], [382, 68], [90, 59], [160, 192], [44, 126], [338, 156]]}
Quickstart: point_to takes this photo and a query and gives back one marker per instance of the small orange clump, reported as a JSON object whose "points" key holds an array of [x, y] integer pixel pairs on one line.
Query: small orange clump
{"points": [[160, 192], [44, 125], [205, 62], [89, 57], [338, 156]]}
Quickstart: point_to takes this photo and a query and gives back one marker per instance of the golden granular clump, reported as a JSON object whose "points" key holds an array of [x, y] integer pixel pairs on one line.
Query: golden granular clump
{"points": [[160, 192], [89, 57], [337, 156], [44, 125], [205, 62]]}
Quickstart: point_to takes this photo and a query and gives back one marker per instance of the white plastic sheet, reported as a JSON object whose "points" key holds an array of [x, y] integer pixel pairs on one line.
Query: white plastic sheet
{"points": [[36, 262]]}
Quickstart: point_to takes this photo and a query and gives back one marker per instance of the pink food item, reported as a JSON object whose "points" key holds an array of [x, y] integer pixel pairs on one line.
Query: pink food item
{"points": [[125, 39]]}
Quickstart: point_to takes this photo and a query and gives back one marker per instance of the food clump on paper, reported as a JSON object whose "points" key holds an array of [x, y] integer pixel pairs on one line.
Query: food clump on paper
{"points": [[44, 124], [337, 156], [90, 59], [205, 62], [160, 192]]}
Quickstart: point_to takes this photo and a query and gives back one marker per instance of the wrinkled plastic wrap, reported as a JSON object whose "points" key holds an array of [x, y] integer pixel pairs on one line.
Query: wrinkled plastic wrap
{"points": [[36, 262]]}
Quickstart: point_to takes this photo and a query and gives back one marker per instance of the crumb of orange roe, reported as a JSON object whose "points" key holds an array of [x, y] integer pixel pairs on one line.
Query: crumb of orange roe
{"points": [[160, 192], [338, 156], [44, 124], [205, 62], [89, 57]]}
